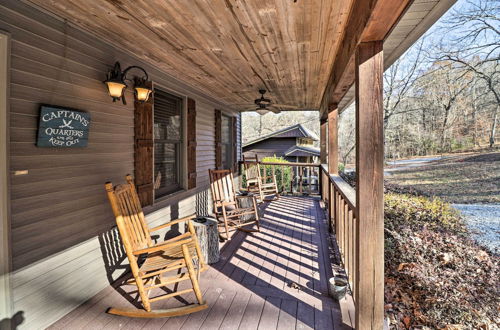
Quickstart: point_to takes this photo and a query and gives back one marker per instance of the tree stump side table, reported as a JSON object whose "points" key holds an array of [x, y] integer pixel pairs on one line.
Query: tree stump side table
{"points": [[208, 238], [248, 202]]}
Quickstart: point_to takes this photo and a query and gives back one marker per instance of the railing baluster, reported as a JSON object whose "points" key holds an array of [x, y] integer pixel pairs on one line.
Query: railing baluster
{"points": [[309, 179], [337, 214], [355, 222], [343, 225], [282, 178], [348, 242], [341, 216], [329, 202], [300, 179], [351, 257]]}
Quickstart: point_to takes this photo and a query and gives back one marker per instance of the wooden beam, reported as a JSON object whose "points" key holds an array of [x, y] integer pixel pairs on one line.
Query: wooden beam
{"points": [[333, 141], [369, 187], [5, 231], [322, 141], [369, 20]]}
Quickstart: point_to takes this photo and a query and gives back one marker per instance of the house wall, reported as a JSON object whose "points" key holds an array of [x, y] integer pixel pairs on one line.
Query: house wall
{"points": [[269, 147], [64, 247]]}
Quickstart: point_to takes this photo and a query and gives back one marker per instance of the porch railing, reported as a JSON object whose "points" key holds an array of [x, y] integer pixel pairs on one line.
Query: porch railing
{"points": [[303, 179], [340, 202]]}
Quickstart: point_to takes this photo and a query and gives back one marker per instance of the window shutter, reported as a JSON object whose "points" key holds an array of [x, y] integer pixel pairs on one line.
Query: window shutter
{"points": [[143, 149], [235, 144], [191, 143], [218, 139]]}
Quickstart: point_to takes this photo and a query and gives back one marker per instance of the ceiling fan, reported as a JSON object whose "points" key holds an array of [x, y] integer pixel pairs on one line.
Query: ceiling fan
{"points": [[265, 105]]}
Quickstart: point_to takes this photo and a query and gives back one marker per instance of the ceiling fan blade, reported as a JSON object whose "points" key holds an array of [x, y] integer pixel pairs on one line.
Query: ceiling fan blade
{"points": [[285, 106], [275, 110]]}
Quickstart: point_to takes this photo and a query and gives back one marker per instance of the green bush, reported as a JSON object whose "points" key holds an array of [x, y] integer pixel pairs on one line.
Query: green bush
{"points": [[341, 167], [287, 170], [267, 170], [419, 211]]}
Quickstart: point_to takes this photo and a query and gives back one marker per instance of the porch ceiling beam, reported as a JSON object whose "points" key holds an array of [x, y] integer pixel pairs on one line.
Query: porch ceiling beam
{"points": [[369, 20]]}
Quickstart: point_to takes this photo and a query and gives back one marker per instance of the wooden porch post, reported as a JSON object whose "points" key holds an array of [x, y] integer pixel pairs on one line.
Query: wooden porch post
{"points": [[5, 231], [322, 141], [333, 143], [369, 187]]}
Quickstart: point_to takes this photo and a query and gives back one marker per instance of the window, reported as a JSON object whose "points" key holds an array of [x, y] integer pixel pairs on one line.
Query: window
{"points": [[305, 142], [227, 141], [167, 143]]}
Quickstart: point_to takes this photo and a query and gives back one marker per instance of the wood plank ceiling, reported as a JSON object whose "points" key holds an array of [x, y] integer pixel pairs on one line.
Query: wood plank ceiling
{"points": [[226, 48]]}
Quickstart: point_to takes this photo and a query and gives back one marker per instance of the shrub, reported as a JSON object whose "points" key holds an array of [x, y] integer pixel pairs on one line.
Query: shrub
{"points": [[341, 167], [419, 211], [287, 170]]}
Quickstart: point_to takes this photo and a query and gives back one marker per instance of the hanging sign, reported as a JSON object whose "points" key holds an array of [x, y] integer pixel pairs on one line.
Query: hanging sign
{"points": [[62, 127]]}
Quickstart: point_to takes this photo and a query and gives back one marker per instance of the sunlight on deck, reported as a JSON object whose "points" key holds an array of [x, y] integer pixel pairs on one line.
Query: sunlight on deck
{"points": [[275, 279]]}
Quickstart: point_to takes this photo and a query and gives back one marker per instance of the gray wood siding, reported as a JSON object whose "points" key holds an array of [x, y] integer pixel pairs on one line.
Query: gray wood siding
{"points": [[269, 147], [65, 249]]}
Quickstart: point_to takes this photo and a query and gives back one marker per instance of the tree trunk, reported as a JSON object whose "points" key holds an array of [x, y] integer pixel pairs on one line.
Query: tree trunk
{"points": [[493, 127]]}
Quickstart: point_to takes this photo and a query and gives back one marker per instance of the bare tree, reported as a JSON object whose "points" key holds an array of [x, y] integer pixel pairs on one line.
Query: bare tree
{"points": [[347, 137], [399, 80], [478, 27]]}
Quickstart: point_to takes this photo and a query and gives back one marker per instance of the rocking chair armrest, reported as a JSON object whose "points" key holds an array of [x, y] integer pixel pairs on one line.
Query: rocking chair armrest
{"points": [[171, 223], [187, 238], [228, 203]]}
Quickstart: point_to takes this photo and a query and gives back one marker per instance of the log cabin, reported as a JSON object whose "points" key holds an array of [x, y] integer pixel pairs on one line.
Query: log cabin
{"points": [[204, 62]]}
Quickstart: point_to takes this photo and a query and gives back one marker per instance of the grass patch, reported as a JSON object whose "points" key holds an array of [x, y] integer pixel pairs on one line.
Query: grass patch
{"points": [[465, 179]]}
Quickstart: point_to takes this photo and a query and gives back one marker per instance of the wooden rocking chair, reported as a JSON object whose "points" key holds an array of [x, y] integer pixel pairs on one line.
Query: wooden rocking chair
{"points": [[228, 207], [149, 262], [262, 185]]}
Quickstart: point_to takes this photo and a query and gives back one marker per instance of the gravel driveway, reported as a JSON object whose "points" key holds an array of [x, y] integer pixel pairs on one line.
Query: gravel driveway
{"points": [[484, 223]]}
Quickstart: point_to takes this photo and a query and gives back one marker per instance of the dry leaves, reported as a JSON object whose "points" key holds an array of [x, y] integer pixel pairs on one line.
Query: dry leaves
{"points": [[436, 278]]}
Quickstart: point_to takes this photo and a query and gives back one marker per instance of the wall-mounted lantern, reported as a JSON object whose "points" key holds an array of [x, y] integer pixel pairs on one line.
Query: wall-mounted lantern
{"points": [[116, 83]]}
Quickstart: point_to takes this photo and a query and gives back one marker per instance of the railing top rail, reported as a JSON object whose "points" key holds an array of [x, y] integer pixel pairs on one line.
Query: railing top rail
{"points": [[284, 164], [347, 192]]}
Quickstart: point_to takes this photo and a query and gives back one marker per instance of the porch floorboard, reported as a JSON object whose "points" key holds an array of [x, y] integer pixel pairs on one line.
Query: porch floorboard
{"points": [[251, 286]]}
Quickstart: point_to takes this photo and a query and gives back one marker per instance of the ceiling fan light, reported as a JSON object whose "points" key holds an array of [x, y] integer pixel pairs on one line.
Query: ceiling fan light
{"points": [[262, 111]]}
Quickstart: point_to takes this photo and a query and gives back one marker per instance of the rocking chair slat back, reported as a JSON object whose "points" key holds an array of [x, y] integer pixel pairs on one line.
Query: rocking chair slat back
{"points": [[258, 182], [129, 216], [228, 207], [222, 186], [252, 169]]}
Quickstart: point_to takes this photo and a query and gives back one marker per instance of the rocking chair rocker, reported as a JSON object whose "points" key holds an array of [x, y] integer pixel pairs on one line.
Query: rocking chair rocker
{"points": [[150, 262]]}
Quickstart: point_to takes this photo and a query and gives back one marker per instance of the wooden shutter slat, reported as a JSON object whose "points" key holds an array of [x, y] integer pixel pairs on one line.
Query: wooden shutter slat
{"points": [[143, 149], [191, 143], [235, 144], [218, 139]]}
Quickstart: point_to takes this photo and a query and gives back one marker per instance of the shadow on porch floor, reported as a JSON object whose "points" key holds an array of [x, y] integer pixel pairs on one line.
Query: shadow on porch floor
{"points": [[250, 287]]}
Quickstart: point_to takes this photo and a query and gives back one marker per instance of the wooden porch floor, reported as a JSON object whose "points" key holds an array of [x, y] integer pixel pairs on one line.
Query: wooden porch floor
{"points": [[249, 288]]}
